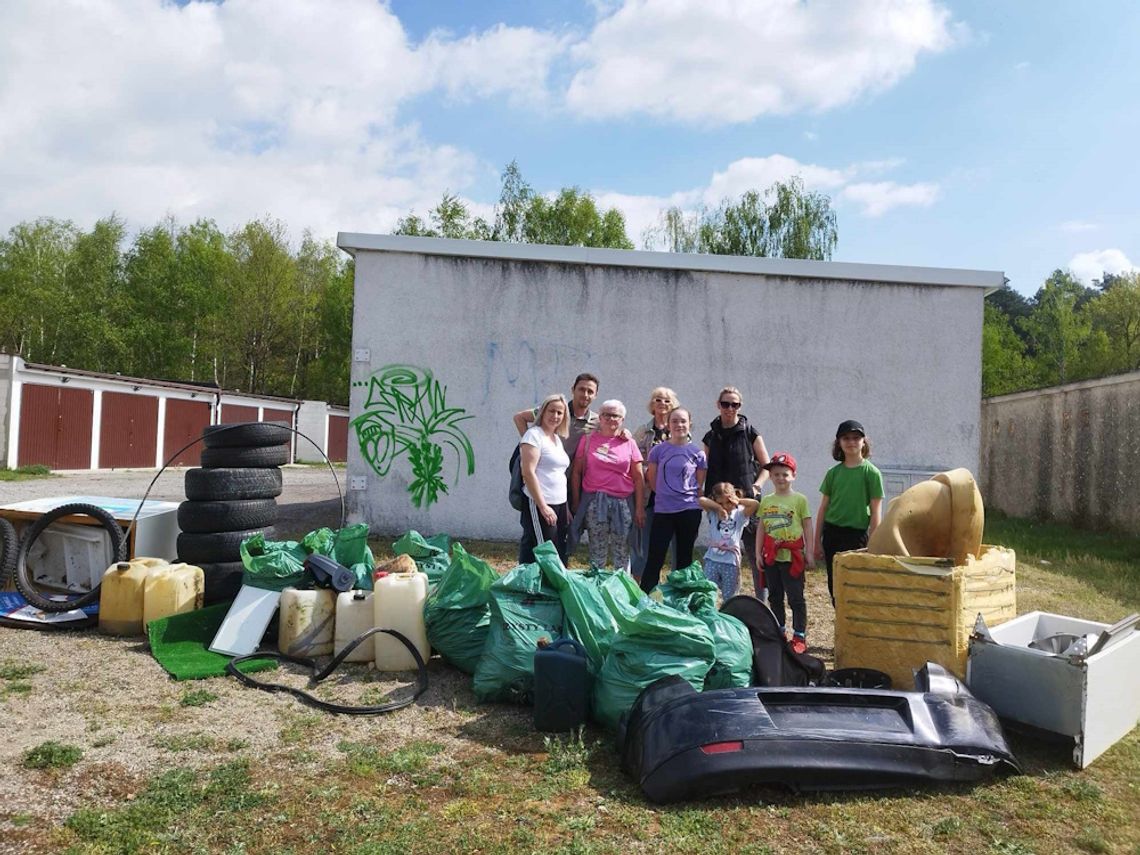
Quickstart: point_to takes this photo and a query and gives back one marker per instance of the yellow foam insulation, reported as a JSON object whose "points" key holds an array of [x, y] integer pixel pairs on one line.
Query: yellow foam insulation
{"points": [[896, 613]]}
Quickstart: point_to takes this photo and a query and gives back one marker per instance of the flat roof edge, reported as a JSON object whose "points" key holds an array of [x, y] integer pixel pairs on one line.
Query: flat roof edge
{"points": [[353, 242]]}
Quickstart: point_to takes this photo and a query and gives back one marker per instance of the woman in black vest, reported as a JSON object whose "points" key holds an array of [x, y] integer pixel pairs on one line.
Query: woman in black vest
{"points": [[736, 454]]}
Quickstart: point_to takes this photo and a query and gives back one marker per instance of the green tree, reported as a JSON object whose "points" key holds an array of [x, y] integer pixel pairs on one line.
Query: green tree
{"points": [[34, 259], [202, 265], [89, 332], [783, 221], [1115, 312], [262, 310], [572, 218], [1057, 329], [1004, 366]]}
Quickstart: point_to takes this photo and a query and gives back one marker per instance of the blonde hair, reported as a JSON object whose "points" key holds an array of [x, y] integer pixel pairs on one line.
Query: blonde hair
{"points": [[663, 392], [724, 488], [732, 390], [563, 429]]}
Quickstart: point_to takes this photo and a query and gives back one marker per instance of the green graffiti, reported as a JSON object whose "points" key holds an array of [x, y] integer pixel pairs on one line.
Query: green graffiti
{"points": [[407, 413]]}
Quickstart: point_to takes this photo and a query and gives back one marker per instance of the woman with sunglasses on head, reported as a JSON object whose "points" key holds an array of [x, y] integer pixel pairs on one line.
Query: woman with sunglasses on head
{"points": [[662, 401], [736, 455]]}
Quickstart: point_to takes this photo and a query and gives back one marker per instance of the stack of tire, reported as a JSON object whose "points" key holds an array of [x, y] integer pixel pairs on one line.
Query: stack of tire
{"points": [[231, 498]]}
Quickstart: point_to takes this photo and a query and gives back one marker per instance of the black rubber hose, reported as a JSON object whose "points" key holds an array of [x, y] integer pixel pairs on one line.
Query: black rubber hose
{"points": [[27, 586], [318, 675], [9, 543]]}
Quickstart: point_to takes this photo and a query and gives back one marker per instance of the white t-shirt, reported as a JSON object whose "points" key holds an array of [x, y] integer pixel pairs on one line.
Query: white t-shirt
{"points": [[552, 464]]}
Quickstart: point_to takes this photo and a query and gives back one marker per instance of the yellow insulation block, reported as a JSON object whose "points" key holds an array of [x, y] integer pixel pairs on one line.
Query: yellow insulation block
{"points": [[895, 614]]}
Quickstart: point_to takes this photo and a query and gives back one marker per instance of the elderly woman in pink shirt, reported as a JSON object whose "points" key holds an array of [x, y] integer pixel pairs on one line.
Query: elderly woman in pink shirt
{"points": [[607, 489]]}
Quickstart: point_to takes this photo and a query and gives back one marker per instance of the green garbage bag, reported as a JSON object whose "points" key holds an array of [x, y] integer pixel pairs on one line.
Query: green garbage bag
{"points": [[654, 641], [430, 554], [458, 612], [523, 610], [588, 617], [688, 590], [279, 564]]}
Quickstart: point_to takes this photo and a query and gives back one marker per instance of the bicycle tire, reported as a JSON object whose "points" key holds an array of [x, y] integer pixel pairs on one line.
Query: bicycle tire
{"points": [[27, 586]]}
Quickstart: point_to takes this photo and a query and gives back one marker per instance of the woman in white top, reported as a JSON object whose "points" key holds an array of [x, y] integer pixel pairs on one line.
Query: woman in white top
{"points": [[545, 515]]}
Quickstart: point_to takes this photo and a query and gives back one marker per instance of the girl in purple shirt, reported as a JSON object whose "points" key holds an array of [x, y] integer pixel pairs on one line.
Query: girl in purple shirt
{"points": [[676, 472]]}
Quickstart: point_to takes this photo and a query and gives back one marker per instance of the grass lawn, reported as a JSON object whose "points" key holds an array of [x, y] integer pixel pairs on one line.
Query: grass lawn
{"points": [[24, 473], [491, 784]]}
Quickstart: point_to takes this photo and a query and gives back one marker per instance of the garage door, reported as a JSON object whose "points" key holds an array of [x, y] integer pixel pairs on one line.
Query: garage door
{"points": [[128, 432], [55, 427], [184, 423], [338, 439], [233, 414]]}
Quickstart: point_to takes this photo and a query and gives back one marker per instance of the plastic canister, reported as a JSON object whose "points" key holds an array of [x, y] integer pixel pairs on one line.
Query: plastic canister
{"points": [[121, 596], [307, 622], [398, 603], [561, 686], [171, 590], [354, 615]]}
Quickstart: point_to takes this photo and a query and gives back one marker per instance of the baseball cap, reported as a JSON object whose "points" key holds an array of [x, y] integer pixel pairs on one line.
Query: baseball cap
{"points": [[849, 426], [782, 458]]}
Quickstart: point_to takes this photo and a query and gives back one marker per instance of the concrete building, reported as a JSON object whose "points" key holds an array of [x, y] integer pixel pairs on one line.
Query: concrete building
{"points": [[450, 338]]}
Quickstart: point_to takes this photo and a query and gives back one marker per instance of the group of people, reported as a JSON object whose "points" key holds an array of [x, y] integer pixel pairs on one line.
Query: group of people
{"points": [[639, 492]]}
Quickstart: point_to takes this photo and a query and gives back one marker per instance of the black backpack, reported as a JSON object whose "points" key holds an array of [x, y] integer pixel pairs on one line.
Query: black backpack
{"points": [[516, 496]]}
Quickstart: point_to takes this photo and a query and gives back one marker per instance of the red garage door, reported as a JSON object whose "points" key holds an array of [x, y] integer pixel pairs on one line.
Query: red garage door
{"points": [[338, 439], [128, 431], [55, 427], [283, 416], [184, 423], [232, 414]]}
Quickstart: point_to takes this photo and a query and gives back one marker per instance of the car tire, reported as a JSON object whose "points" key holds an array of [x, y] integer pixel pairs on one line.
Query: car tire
{"points": [[207, 485], [222, 581], [261, 457], [217, 547], [9, 545], [246, 435], [236, 515]]}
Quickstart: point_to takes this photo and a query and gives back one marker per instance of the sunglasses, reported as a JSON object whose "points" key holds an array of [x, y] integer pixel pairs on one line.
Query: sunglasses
{"points": [[612, 416], [661, 400], [729, 405]]}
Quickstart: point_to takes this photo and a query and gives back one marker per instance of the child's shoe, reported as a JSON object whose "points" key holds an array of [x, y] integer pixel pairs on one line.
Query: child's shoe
{"points": [[799, 644]]}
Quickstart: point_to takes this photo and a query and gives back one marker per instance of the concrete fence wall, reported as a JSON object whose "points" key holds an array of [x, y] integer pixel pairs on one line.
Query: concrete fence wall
{"points": [[450, 338], [1068, 453]]}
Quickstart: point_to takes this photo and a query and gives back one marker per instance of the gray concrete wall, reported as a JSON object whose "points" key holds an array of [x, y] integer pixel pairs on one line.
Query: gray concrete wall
{"points": [[807, 347], [1068, 453]]}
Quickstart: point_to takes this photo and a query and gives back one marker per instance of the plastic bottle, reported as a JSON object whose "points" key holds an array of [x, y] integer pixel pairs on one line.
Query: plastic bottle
{"points": [[171, 590], [307, 622], [354, 616], [398, 603], [121, 596]]}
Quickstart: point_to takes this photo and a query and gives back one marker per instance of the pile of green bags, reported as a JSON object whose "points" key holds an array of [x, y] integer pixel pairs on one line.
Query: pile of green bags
{"points": [[457, 615], [430, 554], [276, 565]]}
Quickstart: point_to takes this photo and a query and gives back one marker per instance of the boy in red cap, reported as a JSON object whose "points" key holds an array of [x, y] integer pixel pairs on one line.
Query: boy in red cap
{"points": [[785, 518]]}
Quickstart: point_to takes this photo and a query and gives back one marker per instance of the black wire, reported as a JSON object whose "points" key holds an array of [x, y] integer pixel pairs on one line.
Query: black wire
{"points": [[317, 676], [223, 429]]}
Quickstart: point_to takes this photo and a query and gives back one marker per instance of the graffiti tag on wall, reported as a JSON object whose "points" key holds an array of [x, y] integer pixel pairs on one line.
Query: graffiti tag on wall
{"points": [[406, 413]]}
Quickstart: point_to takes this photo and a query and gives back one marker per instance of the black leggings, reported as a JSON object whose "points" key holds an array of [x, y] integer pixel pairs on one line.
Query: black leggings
{"points": [[838, 538], [536, 530], [682, 524], [781, 582]]}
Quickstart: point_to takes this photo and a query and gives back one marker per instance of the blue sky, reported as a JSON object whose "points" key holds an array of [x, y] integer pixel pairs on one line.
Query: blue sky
{"points": [[957, 134]]}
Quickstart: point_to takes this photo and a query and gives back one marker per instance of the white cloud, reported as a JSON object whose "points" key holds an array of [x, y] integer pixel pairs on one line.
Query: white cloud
{"points": [[238, 109], [1088, 266], [1077, 226], [759, 173], [733, 60], [878, 197]]}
